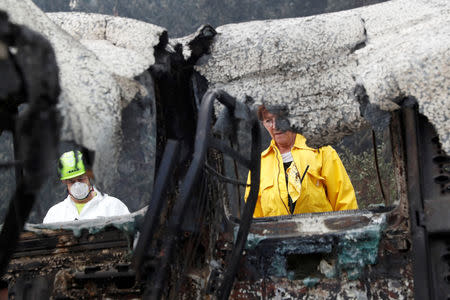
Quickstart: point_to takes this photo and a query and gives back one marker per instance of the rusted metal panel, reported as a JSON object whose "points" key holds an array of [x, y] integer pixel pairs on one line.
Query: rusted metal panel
{"points": [[77, 267], [324, 289]]}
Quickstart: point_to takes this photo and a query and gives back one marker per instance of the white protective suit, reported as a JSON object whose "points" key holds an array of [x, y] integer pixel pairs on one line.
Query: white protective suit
{"points": [[101, 205]]}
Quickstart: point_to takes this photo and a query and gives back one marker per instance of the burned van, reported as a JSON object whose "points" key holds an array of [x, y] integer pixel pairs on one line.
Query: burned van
{"points": [[169, 127]]}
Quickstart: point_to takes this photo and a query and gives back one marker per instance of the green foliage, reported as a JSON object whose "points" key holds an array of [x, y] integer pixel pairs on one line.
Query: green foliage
{"points": [[357, 155]]}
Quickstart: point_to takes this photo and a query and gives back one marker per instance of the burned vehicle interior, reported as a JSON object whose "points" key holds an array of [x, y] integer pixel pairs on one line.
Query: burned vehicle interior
{"points": [[176, 146]]}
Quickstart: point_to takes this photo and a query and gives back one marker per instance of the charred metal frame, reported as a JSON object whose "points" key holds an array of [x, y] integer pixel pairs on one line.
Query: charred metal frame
{"points": [[429, 199], [270, 235], [35, 129], [203, 141], [427, 183], [166, 169]]}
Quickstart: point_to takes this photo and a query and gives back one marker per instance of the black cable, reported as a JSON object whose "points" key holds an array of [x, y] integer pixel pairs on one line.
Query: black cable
{"points": [[224, 178], [233, 260], [375, 153], [187, 187], [194, 240], [152, 216]]}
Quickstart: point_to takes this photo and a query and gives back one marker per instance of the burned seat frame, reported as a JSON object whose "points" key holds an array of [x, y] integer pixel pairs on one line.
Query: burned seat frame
{"points": [[204, 140]]}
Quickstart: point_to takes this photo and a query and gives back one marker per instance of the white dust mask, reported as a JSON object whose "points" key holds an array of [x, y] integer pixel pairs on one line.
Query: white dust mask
{"points": [[79, 190]]}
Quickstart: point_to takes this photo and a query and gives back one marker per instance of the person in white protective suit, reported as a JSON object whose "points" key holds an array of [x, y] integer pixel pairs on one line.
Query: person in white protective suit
{"points": [[83, 201]]}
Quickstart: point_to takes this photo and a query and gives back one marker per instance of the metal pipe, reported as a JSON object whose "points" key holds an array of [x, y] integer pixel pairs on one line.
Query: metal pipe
{"points": [[422, 280], [233, 260], [204, 140], [201, 145], [151, 220]]}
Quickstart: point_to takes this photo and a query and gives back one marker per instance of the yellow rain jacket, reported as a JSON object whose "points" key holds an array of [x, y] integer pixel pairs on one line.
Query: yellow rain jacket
{"points": [[325, 187]]}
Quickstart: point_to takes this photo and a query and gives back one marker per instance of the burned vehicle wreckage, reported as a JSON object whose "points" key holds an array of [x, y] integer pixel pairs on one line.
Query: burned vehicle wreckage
{"points": [[170, 124]]}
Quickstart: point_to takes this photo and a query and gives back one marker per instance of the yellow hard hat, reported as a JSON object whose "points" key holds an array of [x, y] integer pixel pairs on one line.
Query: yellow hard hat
{"points": [[71, 166]]}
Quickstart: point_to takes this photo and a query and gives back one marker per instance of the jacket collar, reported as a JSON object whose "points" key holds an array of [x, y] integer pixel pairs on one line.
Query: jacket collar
{"points": [[300, 143]]}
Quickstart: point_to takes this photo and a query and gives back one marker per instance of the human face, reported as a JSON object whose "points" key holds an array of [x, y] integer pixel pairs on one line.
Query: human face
{"points": [[82, 179], [283, 139]]}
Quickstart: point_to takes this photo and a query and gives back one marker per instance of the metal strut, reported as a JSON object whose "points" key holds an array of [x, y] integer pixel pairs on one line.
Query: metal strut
{"points": [[204, 140], [233, 260], [152, 216], [35, 129]]}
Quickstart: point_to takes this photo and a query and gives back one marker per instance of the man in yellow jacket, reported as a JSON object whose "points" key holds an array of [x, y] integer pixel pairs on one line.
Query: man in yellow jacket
{"points": [[298, 179]]}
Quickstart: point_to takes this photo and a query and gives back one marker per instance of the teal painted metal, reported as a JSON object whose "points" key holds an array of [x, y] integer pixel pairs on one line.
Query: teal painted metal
{"points": [[344, 251], [311, 281], [358, 248]]}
